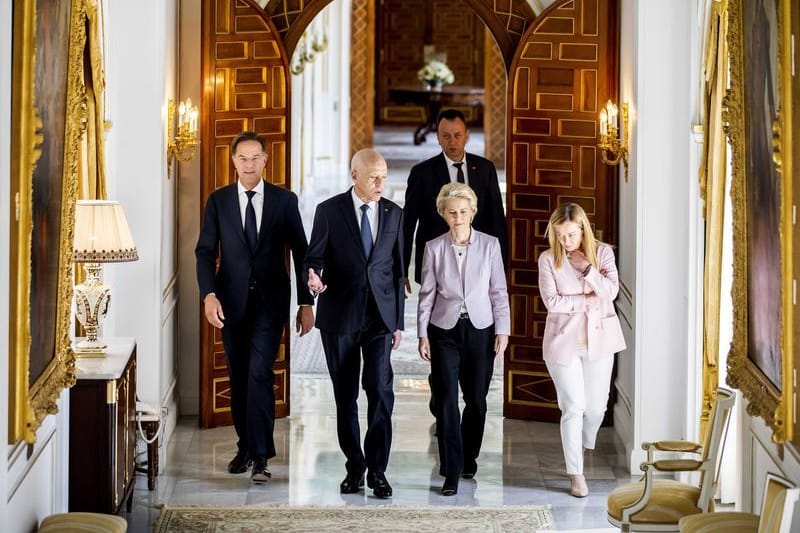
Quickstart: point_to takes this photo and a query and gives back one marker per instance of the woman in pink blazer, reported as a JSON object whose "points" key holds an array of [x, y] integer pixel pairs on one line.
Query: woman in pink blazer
{"points": [[463, 322], [578, 282]]}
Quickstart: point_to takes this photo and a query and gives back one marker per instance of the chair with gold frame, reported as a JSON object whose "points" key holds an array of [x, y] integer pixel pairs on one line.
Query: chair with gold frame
{"points": [[658, 504], [776, 513]]}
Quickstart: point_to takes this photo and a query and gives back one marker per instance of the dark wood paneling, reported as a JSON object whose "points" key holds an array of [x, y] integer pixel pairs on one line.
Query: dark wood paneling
{"points": [[245, 88], [403, 28], [565, 67]]}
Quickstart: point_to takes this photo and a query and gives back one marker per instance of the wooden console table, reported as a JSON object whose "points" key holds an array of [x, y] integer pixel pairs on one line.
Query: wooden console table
{"points": [[434, 101], [102, 430]]}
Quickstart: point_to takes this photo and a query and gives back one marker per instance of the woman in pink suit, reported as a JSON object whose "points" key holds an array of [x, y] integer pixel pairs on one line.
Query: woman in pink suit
{"points": [[578, 282], [463, 323]]}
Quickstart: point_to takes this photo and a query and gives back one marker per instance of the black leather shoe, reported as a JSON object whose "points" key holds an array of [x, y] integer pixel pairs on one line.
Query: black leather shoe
{"points": [[260, 473], [352, 483], [450, 488], [240, 463], [470, 468], [380, 487]]}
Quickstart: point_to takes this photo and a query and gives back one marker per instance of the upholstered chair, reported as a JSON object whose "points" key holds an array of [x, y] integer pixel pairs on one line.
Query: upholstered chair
{"points": [[658, 504], [83, 523], [777, 507]]}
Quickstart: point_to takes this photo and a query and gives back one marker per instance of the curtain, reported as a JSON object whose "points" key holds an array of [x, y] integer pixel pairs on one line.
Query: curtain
{"points": [[713, 176], [92, 171]]}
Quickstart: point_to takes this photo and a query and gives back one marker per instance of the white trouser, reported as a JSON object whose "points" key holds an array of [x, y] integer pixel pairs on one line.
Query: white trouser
{"points": [[582, 389]]}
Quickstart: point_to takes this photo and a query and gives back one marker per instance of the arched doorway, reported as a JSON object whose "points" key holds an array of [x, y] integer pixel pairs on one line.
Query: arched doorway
{"points": [[544, 166]]}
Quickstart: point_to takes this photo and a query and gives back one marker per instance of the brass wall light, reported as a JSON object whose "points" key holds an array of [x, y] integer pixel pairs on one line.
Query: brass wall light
{"points": [[183, 139], [614, 149]]}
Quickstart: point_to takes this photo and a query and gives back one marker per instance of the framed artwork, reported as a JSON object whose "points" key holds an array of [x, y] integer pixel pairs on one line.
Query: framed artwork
{"points": [[48, 118], [761, 357]]}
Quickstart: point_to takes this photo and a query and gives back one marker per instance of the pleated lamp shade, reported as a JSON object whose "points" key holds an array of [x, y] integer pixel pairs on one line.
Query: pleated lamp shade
{"points": [[101, 233]]}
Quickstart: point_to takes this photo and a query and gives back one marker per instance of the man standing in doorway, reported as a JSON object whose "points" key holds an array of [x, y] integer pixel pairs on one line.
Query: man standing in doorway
{"points": [[355, 265], [454, 164], [249, 225]]}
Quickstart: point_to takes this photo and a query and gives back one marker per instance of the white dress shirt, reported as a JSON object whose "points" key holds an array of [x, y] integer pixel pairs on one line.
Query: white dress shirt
{"points": [[454, 171], [372, 213], [258, 201]]}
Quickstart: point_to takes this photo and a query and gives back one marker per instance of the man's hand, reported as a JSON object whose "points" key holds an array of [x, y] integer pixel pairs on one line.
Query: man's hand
{"points": [[500, 344], [396, 336], [408, 287], [315, 284], [424, 348], [213, 311], [305, 319]]}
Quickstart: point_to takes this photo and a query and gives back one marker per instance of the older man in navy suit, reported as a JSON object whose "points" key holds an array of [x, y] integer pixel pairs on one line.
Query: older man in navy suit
{"points": [[249, 225], [425, 180], [355, 265]]}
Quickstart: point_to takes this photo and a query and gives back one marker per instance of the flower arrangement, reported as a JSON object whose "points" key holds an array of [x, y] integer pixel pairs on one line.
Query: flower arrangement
{"points": [[435, 73]]}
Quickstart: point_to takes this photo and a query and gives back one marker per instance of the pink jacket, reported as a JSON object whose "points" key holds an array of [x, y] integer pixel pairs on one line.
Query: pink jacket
{"points": [[484, 291], [565, 293]]}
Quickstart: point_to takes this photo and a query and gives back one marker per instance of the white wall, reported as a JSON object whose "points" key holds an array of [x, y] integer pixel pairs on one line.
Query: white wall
{"points": [[760, 456], [141, 65], [658, 248], [188, 178], [321, 96]]}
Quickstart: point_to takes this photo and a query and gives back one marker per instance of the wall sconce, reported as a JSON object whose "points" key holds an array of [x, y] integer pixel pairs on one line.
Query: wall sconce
{"points": [[612, 148], [101, 236], [184, 141]]}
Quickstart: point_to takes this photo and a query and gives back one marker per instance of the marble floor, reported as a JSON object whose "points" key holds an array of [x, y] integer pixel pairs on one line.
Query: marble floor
{"points": [[520, 463]]}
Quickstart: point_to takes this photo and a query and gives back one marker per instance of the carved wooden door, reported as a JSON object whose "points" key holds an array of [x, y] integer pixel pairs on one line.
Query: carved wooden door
{"points": [[245, 88], [403, 28], [564, 71]]}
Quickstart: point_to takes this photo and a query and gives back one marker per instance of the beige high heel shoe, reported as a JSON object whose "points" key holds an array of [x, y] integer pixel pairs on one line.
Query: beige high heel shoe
{"points": [[578, 486]]}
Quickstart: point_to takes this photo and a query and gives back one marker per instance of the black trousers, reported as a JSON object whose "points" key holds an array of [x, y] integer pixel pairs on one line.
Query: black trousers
{"points": [[343, 352], [251, 347], [462, 355]]}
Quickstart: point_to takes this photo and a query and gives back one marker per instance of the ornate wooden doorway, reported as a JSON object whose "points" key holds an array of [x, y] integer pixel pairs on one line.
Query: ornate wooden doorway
{"points": [[245, 88], [564, 70]]}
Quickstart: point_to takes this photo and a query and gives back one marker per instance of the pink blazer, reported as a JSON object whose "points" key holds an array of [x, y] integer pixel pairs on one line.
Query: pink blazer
{"points": [[564, 292], [484, 290]]}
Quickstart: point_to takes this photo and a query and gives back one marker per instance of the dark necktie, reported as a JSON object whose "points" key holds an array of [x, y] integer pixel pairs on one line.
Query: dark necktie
{"points": [[250, 230], [366, 231], [459, 172]]}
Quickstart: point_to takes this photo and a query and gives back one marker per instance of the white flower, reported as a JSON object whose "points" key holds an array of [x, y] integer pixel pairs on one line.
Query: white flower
{"points": [[435, 71]]}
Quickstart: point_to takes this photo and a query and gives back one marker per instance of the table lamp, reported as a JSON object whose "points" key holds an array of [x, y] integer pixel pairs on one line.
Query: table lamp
{"points": [[101, 236]]}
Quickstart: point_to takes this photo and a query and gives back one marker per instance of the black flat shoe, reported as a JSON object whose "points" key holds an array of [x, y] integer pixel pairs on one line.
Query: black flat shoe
{"points": [[260, 473], [240, 463], [450, 488], [351, 484], [380, 487]]}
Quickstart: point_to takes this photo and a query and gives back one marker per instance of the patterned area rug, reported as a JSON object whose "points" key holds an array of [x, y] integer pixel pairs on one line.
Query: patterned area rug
{"points": [[353, 519]]}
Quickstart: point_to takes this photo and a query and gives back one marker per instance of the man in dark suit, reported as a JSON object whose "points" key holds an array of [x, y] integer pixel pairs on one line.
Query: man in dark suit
{"points": [[428, 177], [249, 225], [355, 265]]}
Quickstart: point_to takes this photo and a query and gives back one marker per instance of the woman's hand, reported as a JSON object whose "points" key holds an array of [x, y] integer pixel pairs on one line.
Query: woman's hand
{"points": [[577, 260], [424, 348], [500, 344]]}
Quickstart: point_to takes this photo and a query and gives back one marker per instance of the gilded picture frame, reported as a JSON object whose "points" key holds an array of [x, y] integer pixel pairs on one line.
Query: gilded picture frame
{"points": [[760, 361], [48, 117]]}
